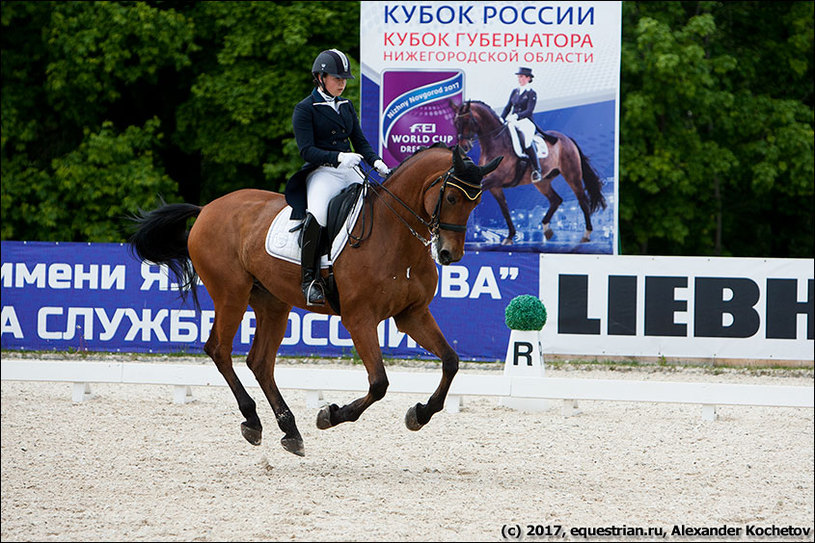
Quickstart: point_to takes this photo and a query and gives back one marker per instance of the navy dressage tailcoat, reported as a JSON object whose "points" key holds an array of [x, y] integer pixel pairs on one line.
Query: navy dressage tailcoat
{"points": [[523, 105], [322, 134]]}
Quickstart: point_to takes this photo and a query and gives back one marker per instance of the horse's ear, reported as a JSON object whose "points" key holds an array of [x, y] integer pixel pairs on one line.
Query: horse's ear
{"points": [[487, 168], [458, 159], [453, 105]]}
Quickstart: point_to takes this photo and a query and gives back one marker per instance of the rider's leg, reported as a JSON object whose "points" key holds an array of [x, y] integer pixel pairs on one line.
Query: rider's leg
{"points": [[310, 261], [533, 160], [321, 186]]}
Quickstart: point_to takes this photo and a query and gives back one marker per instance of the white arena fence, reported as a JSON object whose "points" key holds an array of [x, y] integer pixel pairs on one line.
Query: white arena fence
{"points": [[517, 391]]}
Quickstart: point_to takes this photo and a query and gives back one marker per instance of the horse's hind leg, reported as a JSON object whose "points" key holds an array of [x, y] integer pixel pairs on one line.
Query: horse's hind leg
{"points": [[422, 327], [583, 200], [271, 317], [572, 172], [219, 347], [366, 342], [545, 188], [229, 290]]}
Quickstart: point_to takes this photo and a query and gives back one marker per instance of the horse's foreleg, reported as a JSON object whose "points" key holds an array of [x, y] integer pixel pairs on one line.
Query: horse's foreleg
{"points": [[502, 203], [271, 316], [366, 342], [422, 327]]}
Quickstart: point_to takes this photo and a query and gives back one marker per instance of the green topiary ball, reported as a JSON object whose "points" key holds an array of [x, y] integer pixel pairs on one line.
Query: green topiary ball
{"points": [[525, 312]]}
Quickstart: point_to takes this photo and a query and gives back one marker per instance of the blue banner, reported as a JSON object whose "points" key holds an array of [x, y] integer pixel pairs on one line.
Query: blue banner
{"points": [[97, 297]]}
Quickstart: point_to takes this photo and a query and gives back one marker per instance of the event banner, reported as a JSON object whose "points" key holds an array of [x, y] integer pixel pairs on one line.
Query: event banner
{"points": [[695, 307], [446, 71], [97, 297]]}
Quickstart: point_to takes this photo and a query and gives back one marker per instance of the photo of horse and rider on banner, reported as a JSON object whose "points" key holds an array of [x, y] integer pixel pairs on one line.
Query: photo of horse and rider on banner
{"points": [[546, 102]]}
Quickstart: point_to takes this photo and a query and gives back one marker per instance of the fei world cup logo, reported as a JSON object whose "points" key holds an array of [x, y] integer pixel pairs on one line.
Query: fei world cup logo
{"points": [[416, 111]]}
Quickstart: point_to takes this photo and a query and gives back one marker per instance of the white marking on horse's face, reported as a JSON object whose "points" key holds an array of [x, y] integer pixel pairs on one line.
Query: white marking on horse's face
{"points": [[407, 273], [434, 248]]}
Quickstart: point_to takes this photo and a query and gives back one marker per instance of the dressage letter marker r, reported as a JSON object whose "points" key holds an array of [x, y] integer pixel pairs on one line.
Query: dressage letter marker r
{"points": [[527, 353]]}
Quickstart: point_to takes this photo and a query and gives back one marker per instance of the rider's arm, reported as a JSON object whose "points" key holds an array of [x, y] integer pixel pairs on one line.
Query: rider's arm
{"points": [[303, 123], [508, 107]]}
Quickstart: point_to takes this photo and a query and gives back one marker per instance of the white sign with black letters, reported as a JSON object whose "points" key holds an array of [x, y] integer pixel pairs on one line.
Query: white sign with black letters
{"points": [[698, 307]]}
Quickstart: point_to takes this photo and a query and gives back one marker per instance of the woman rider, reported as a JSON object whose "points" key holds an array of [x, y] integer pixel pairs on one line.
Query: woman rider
{"points": [[518, 113], [325, 127]]}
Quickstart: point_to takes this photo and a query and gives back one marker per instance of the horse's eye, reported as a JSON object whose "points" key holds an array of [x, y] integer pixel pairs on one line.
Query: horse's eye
{"points": [[451, 198]]}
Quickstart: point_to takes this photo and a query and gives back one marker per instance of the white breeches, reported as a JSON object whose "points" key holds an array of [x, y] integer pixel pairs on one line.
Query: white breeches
{"points": [[526, 129], [323, 184]]}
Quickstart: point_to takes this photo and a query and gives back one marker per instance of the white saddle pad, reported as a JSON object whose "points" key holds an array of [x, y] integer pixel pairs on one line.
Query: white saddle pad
{"points": [[282, 244], [540, 145]]}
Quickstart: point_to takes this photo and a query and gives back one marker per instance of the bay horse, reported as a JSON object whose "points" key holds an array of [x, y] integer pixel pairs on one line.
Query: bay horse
{"points": [[476, 120], [418, 215]]}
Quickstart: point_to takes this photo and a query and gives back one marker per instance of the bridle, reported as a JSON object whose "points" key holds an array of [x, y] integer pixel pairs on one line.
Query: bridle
{"points": [[473, 125], [434, 224]]}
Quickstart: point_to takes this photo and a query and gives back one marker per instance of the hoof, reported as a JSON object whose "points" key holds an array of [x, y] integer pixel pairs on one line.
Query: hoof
{"points": [[251, 435], [324, 417], [585, 240], [548, 234], [412, 420], [294, 445], [507, 241]]}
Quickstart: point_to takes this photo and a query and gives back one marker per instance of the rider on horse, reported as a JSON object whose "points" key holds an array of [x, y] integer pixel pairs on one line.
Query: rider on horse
{"points": [[518, 113], [325, 127]]}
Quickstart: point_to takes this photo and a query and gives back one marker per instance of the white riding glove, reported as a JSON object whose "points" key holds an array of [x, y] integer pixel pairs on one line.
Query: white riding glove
{"points": [[381, 168], [512, 117], [348, 160]]}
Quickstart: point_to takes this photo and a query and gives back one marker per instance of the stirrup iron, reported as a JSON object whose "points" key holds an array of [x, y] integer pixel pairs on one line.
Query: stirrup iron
{"points": [[315, 287]]}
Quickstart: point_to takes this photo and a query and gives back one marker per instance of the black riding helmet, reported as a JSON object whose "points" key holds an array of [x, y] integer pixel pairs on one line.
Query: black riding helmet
{"points": [[332, 62]]}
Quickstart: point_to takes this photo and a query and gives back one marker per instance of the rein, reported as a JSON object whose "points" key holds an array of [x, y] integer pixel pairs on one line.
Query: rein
{"points": [[434, 225], [475, 137]]}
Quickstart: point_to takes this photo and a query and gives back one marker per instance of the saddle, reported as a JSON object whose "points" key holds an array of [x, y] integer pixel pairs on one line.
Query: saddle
{"points": [[283, 239], [339, 208], [540, 145]]}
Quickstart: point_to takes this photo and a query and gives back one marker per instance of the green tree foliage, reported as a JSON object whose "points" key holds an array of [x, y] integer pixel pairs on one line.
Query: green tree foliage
{"points": [[108, 175], [80, 142], [716, 128], [107, 105], [255, 67]]}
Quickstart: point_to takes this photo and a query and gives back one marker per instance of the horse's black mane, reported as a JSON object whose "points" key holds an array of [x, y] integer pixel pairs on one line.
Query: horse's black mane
{"points": [[437, 145], [489, 108]]}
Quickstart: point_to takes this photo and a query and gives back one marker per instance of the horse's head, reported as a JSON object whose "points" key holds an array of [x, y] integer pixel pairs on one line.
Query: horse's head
{"points": [[466, 125], [475, 120], [459, 191]]}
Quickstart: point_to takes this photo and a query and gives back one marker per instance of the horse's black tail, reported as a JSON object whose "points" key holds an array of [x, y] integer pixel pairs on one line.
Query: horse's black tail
{"points": [[160, 236], [594, 187]]}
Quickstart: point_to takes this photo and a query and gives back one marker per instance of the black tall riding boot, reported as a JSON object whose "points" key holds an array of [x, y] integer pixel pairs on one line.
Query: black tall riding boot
{"points": [[533, 160], [310, 261]]}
